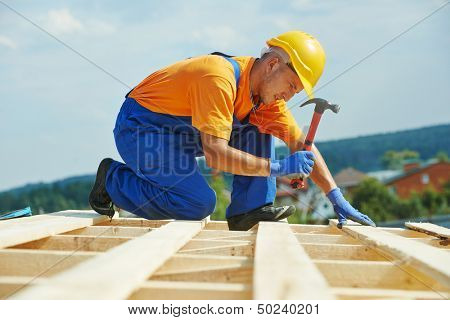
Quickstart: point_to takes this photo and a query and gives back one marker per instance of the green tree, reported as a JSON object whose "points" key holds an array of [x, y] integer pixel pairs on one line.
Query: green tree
{"points": [[219, 186], [442, 156], [410, 208], [393, 160], [434, 202], [374, 199]]}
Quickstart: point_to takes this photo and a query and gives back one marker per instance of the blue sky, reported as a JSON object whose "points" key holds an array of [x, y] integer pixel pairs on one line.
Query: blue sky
{"points": [[58, 111]]}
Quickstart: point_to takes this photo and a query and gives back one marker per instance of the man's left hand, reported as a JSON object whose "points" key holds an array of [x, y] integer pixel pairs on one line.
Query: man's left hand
{"points": [[344, 210]]}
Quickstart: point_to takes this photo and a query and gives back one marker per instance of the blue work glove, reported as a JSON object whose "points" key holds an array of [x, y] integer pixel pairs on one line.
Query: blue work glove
{"points": [[344, 210], [299, 162]]}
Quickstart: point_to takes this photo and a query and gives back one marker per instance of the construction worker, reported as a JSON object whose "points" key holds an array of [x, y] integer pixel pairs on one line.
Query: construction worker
{"points": [[227, 109]]}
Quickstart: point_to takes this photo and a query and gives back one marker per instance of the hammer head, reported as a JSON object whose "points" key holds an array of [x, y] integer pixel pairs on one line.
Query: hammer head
{"points": [[322, 105]]}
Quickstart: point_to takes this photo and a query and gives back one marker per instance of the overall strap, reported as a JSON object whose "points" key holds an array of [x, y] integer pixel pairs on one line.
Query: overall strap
{"points": [[237, 75], [236, 68]]}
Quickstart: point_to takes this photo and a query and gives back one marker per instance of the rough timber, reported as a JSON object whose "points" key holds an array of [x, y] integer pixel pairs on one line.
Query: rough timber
{"points": [[81, 255]]}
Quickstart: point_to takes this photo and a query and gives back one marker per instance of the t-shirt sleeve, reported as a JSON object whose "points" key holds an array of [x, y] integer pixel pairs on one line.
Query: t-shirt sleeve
{"points": [[211, 98], [277, 120]]}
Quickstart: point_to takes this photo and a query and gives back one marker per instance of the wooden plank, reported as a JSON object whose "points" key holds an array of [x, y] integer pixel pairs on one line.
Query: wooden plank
{"points": [[134, 222], [377, 274], [325, 238], [209, 243], [16, 231], [11, 284], [342, 252], [182, 263], [283, 269], [217, 225], [112, 231], [313, 229], [247, 250], [43, 263], [75, 243], [428, 259], [226, 235], [405, 233], [118, 272], [429, 228], [184, 290], [438, 243], [237, 274], [370, 293]]}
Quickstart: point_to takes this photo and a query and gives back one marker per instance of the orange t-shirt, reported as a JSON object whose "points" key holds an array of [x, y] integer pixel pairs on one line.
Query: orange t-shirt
{"points": [[204, 88]]}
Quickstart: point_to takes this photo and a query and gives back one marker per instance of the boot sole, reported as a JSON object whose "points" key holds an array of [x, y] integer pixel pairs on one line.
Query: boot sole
{"points": [[98, 185]]}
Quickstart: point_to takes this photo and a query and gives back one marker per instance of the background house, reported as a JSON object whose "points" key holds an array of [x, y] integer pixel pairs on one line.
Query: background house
{"points": [[418, 178]]}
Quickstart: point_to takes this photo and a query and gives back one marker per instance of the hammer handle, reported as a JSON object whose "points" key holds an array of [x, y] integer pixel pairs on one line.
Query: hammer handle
{"points": [[299, 183]]}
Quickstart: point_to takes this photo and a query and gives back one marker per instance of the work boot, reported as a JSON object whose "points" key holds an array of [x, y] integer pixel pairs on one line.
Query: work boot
{"points": [[244, 222], [99, 198]]}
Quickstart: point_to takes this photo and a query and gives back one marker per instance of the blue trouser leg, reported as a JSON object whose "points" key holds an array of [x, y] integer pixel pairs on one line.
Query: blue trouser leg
{"points": [[251, 192], [161, 179]]}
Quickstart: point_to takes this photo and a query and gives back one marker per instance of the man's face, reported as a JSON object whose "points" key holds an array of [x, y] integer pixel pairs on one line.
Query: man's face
{"points": [[280, 82]]}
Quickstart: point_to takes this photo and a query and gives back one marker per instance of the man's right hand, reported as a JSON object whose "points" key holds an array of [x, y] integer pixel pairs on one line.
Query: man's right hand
{"points": [[300, 162]]}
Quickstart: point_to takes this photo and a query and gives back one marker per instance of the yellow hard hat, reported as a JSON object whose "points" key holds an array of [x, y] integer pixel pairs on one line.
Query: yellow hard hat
{"points": [[306, 55]]}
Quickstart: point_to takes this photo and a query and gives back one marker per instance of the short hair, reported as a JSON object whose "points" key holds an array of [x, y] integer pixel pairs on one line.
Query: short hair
{"points": [[278, 51]]}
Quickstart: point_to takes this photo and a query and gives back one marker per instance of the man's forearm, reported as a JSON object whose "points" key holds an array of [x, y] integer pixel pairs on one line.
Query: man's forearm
{"points": [[321, 175], [239, 162], [219, 155]]}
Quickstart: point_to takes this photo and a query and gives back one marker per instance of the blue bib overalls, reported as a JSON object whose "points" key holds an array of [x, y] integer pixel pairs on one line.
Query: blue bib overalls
{"points": [[161, 179]]}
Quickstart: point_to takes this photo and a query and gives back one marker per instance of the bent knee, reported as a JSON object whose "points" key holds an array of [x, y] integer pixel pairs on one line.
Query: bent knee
{"points": [[196, 207], [205, 205]]}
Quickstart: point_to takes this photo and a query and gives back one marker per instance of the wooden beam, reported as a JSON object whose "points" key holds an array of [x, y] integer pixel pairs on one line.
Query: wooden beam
{"points": [[217, 225], [16, 231], [11, 284], [325, 238], [118, 272], [112, 231], [370, 293], [183, 290], [283, 269], [438, 243], [247, 250], [313, 229], [237, 274], [209, 243], [405, 233], [377, 274], [183, 263], [429, 228], [342, 252], [43, 263], [226, 235], [75, 243], [428, 259], [134, 222]]}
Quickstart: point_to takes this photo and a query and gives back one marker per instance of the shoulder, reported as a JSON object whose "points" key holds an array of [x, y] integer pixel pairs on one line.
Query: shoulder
{"points": [[211, 65]]}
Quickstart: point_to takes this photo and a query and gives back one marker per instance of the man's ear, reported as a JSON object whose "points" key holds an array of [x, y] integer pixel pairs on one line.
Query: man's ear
{"points": [[272, 64]]}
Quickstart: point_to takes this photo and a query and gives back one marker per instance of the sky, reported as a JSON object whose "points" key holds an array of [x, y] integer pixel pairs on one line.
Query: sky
{"points": [[58, 111]]}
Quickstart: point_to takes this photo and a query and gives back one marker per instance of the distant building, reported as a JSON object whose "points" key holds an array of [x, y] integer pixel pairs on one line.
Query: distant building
{"points": [[417, 178], [348, 178], [384, 175]]}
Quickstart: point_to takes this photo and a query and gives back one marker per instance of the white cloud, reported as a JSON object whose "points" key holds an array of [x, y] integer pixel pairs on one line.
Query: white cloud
{"points": [[219, 37], [62, 21], [7, 42]]}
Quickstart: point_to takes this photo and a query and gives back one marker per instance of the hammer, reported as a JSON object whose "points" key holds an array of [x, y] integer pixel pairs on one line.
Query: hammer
{"points": [[321, 106]]}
